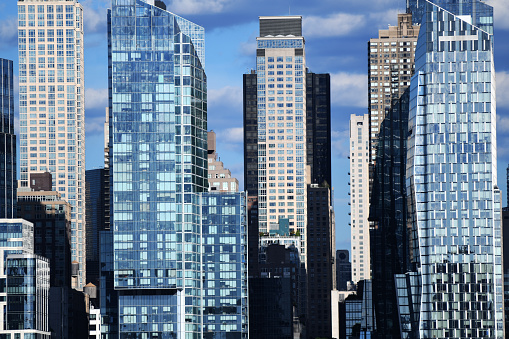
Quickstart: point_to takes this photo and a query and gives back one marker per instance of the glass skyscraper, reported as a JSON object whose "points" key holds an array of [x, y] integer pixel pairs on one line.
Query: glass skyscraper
{"points": [[7, 142], [52, 104], [453, 198], [25, 283], [158, 129]]}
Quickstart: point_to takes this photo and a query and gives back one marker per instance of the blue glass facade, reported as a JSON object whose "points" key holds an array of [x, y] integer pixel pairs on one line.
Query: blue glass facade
{"points": [[225, 265], [454, 205], [480, 14], [7, 142], [24, 283], [27, 293], [158, 133]]}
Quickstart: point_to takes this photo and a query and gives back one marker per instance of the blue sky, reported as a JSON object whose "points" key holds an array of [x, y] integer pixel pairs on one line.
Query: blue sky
{"points": [[336, 34]]}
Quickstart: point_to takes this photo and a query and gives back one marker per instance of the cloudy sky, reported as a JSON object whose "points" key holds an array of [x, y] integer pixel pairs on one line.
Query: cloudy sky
{"points": [[336, 33]]}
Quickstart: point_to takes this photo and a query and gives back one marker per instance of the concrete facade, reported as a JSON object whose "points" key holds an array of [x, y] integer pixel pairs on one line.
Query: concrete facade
{"points": [[52, 103], [391, 65], [220, 178], [359, 197]]}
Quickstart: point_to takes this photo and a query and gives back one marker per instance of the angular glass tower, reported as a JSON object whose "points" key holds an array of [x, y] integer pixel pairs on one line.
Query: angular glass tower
{"points": [[158, 133], [453, 198]]}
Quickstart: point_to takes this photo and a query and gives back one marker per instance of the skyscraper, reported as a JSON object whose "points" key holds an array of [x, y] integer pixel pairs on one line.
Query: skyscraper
{"points": [[389, 235], [281, 97], [454, 202], [359, 197], [172, 239], [318, 130], [287, 148], [97, 201], [7, 142], [52, 96], [391, 66], [321, 277]]}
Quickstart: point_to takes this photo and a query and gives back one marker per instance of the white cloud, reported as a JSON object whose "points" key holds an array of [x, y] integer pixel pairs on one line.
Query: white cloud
{"points": [[383, 19], [349, 89], [502, 83], [9, 32], [248, 48], [229, 95], [336, 24], [96, 98], [339, 143], [502, 123], [94, 125], [182, 7], [95, 15], [231, 135]]}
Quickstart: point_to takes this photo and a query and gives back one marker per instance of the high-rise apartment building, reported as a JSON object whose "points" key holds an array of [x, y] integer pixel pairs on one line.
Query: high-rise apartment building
{"points": [[359, 197], [287, 149], [179, 252], [7, 141], [281, 97], [286, 127], [454, 202], [51, 105], [391, 66]]}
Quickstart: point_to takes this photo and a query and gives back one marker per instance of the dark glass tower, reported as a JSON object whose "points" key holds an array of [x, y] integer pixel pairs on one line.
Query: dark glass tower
{"points": [[251, 167], [97, 200], [389, 235], [7, 142], [318, 132]]}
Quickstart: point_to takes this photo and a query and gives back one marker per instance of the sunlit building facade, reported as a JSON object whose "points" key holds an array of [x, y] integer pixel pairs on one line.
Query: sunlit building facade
{"points": [[453, 198], [51, 105], [163, 218], [281, 141], [359, 197]]}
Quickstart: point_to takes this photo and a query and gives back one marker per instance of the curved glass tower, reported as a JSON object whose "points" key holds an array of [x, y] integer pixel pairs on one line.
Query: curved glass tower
{"points": [[454, 202]]}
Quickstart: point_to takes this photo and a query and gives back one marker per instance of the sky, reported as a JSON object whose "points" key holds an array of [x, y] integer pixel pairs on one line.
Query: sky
{"points": [[336, 33]]}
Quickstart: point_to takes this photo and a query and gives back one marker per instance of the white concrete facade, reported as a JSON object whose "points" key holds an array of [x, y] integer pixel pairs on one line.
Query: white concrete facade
{"points": [[359, 197]]}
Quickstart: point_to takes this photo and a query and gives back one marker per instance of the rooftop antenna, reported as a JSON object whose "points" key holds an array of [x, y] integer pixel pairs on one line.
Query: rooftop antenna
{"points": [[289, 7]]}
